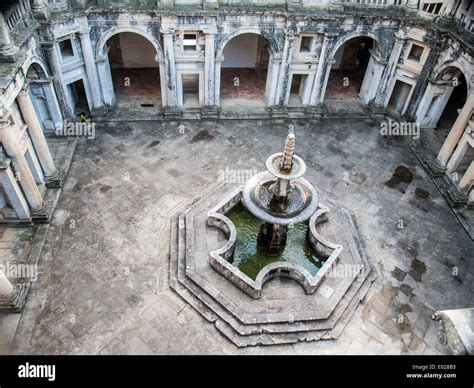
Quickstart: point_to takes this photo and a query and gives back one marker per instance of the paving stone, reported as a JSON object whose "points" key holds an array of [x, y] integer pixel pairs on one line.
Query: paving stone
{"points": [[117, 249]]}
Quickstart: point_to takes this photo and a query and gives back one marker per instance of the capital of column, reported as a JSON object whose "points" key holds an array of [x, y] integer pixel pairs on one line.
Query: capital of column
{"points": [[377, 58], [400, 36]]}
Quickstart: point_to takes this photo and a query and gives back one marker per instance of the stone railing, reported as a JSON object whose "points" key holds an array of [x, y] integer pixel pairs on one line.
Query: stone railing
{"points": [[18, 16], [424, 9]]}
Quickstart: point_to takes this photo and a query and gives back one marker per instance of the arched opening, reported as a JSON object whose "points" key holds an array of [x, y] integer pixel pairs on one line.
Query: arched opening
{"points": [[135, 73], [244, 69], [349, 69], [453, 99]]}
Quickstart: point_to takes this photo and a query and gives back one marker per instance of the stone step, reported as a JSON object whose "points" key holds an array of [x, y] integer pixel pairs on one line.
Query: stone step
{"points": [[262, 333]]}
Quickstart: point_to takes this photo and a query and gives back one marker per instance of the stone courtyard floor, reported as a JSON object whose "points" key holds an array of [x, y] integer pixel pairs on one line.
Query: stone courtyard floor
{"points": [[103, 286]]}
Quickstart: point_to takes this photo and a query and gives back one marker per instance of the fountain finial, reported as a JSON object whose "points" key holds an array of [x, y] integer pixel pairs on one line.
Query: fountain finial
{"points": [[286, 161]]}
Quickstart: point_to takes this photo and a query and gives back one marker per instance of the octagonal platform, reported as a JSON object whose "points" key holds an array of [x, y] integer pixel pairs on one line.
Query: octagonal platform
{"points": [[284, 313]]}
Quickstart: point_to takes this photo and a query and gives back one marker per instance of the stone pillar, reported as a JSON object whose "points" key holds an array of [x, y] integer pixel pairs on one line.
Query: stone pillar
{"points": [[217, 84], [105, 77], [36, 133], [52, 101], [209, 70], [284, 72], [386, 78], [8, 49], [372, 78], [13, 192], [168, 48], [6, 288], [456, 131], [425, 102], [61, 88], [8, 137], [272, 79], [421, 83], [39, 9], [467, 180], [33, 163], [324, 66], [87, 53], [413, 4]]}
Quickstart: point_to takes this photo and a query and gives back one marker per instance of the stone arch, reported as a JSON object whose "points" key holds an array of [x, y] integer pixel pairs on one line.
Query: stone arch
{"points": [[35, 62], [117, 30], [246, 30], [441, 94], [356, 34], [369, 82], [263, 92], [103, 66], [443, 68]]}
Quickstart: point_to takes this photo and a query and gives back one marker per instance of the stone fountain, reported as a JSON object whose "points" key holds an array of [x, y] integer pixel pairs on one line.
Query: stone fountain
{"points": [[230, 242], [280, 197]]}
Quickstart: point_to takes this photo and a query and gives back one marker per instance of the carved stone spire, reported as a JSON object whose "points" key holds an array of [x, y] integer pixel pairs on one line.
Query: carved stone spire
{"points": [[286, 161]]}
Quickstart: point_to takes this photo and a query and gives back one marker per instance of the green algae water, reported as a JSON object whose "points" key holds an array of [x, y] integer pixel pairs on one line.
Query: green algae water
{"points": [[250, 258]]}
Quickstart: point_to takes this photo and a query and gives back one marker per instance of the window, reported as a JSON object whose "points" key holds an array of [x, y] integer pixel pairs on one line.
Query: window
{"points": [[65, 46], [189, 42], [432, 7], [415, 53], [306, 44]]}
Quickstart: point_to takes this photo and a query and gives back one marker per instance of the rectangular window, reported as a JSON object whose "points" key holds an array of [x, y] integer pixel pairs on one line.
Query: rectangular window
{"points": [[432, 7], [65, 46], [306, 44], [189, 42], [415, 53]]}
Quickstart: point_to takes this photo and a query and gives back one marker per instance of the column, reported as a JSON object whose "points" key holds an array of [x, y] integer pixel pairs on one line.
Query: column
{"points": [[372, 78], [467, 180], [272, 79], [284, 73], [61, 88], [13, 192], [456, 131], [36, 133], [8, 49], [425, 102], [217, 83], [6, 288], [89, 62], [105, 77], [39, 9], [209, 70], [413, 4], [422, 81], [386, 78], [458, 154], [317, 92], [52, 101], [168, 48], [8, 137]]}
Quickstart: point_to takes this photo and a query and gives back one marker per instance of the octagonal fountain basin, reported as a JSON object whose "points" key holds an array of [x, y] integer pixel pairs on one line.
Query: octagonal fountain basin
{"points": [[251, 258], [307, 256]]}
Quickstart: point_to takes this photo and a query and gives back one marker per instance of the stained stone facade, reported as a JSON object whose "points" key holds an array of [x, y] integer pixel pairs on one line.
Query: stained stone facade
{"points": [[56, 62]]}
